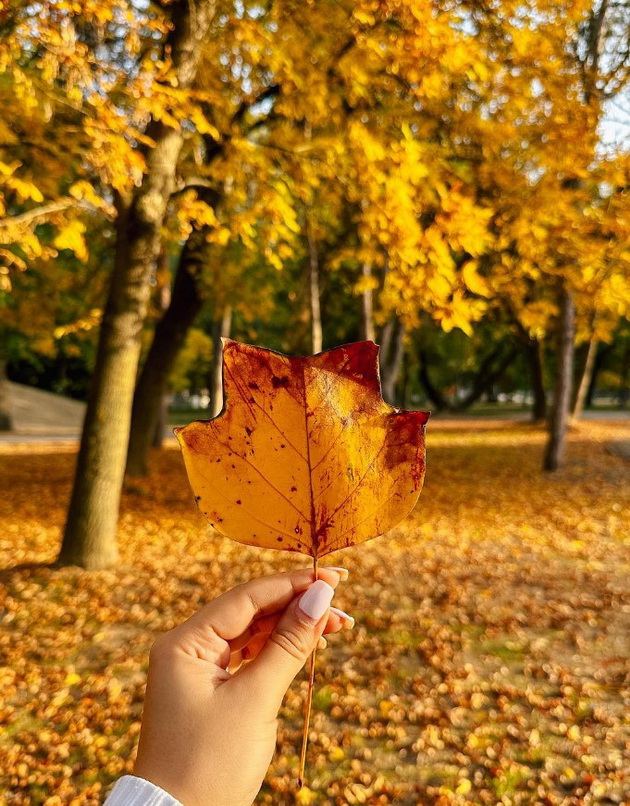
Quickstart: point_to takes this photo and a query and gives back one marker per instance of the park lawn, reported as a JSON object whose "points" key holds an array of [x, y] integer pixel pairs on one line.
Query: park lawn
{"points": [[489, 662]]}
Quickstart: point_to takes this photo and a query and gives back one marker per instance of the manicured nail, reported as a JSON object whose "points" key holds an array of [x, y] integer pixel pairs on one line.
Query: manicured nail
{"points": [[316, 601], [343, 572], [322, 643], [348, 621]]}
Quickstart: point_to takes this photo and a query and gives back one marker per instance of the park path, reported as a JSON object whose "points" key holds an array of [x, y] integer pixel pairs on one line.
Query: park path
{"points": [[44, 417]]}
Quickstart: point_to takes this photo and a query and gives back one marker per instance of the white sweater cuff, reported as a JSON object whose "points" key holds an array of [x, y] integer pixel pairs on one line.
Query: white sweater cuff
{"points": [[133, 791]]}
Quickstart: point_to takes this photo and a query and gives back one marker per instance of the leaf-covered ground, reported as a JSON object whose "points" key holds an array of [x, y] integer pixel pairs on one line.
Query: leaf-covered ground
{"points": [[489, 663]]}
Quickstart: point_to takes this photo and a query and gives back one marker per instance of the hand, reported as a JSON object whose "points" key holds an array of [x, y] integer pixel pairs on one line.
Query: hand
{"points": [[217, 681]]}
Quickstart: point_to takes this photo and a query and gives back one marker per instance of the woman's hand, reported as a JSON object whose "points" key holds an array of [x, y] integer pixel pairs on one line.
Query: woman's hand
{"points": [[216, 682]]}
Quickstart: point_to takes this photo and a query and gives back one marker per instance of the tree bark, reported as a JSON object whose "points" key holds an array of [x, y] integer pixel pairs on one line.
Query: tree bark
{"points": [[624, 392], [602, 351], [391, 358], [6, 421], [367, 307], [534, 352], [160, 427], [433, 393], [168, 340], [314, 293], [585, 379], [385, 340], [90, 534], [562, 392], [487, 376], [222, 328], [490, 371], [535, 358]]}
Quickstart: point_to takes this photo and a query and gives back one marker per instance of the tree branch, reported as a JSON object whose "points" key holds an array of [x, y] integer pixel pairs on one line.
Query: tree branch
{"points": [[37, 212]]}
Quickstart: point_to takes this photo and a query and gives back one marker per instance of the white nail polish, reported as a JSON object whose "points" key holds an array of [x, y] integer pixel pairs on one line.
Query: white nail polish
{"points": [[316, 601], [345, 617], [343, 572]]}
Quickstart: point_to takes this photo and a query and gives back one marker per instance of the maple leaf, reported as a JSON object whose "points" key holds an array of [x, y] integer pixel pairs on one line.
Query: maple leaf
{"points": [[306, 455]]}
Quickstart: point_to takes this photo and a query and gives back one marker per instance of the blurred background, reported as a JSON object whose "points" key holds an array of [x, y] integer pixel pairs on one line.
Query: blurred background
{"points": [[447, 178]]}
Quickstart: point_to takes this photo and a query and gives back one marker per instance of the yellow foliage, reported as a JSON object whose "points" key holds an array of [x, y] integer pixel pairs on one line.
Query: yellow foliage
{"points": [[193, 213], [71, 237], [446, 149], [474, 281], [84, 324]]}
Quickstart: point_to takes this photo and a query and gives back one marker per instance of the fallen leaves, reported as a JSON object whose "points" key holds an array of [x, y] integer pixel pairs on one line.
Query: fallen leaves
{"points": [[488, 664]]}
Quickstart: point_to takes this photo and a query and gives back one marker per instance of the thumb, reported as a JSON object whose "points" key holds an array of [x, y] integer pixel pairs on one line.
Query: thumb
{"points": [[288, 647]]}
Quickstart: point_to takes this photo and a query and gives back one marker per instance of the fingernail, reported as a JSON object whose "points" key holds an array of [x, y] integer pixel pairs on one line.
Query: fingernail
{"points": [[316, 601], [348, 621], [322, 643], [343, 572]]}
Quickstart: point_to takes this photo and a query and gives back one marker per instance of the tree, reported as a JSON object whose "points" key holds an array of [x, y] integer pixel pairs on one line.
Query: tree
{"points": [[281, 154], [555, 233], [562, 392], [46, 203], [89, 536]]}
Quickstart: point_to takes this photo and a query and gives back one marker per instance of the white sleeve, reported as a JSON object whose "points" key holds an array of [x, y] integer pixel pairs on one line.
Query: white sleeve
{"points": [[133, 791]]}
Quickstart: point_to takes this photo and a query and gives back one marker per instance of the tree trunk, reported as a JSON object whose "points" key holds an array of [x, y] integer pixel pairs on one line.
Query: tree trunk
{"points": [[624, 392], [405, 381], [585, 379], [602, 352], [391, 359], [487, 376], [90, 534], [535, 359], [367, 307], [6, 421], [170, 335], [562, 391], [433, 393], [385, 340], [485, 379], [222, 328], [160, 427], [313, 293]]}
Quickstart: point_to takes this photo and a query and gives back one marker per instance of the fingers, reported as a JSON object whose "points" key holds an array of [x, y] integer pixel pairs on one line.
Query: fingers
{"points": [[260, 629], [207, 633], [247, 646], [251, 651], [293, 639]]}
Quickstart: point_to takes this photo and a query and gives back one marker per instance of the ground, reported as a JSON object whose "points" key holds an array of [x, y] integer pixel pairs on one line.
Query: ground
{"points": [[489, 663], [35, 411]]}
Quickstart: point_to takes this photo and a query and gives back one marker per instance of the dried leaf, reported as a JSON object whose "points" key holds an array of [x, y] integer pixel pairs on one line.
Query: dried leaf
{"points": [[306, 455]]}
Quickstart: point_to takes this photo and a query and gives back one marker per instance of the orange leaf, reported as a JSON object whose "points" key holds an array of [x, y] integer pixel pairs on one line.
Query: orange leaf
{"points": [[306, 455]]}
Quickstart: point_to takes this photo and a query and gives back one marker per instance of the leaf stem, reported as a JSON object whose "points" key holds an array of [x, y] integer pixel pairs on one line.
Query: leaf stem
{"points": [[308, 704]]}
